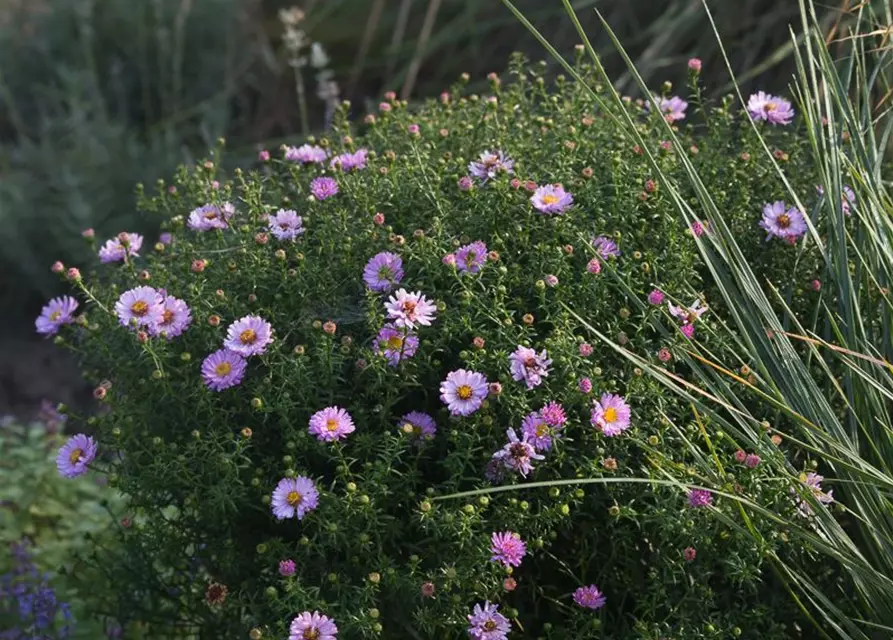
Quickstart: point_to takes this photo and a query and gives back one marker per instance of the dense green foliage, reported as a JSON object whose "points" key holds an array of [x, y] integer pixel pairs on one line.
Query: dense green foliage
{"points": [[198, 466]]}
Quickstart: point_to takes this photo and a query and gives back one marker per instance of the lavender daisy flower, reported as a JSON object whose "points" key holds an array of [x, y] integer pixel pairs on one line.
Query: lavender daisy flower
{"points": [[463, 392], [813, 484], [323, 188], [471, 257], [605, 247], [211, 216], [782, 222], [223, 369], [165, 237], [486, 623], [590, 597], [508, 548], [116, 250], [306, 154], [489, 165], [847, 198], [383, 271], [551, 199], [611, 414], [348, 162], [526, 365], [57, 312], [286, 224], [330, 424], [699, 498], [421, 425], [312, 626], [517, 454], [141, 307], [673, 109], [538, 431], [175, 318], [690, 315], [249, 336], [396, 344], [294, 497], [769, 108], [409, 309], [75, 455]]}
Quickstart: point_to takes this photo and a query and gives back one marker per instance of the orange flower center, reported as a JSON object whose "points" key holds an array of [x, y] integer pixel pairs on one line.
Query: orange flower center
{"points": [[139, 308], [550, 199], [293, 498], [784, 221], [167, 317], [409, 306], [223, 369], [248, 336], [332, 424], [75, 456], [210, 215], [310, 633], [610, 414], [771, 106], [464, 392]]}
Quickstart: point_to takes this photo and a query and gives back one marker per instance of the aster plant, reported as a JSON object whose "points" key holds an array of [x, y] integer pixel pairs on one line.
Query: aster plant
{"points": [[349, 383]]}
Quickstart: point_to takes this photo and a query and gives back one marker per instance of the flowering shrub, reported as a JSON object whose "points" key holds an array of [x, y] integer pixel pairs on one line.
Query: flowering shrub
{"points": [[322, 352]]}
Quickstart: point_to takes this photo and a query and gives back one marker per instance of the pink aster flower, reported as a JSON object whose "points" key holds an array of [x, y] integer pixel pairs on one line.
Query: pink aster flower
{"points": [[57, 312], [537, 430], [688, 330], [396, 344], [847, 198], [783, 222], [175, 318], [585, 349], [687, 315], [611, 414], [223, 369], [585, 385], [306, 154], [594, 266], [605, 247], [287, 568], [489, 165], [410, 309], [518, 454], [75, 455], [140, 307], [551, 199], [673, 108], [656, 297], [249, 336], [508, 548], [383, 271], [694, 65], [553, 413], [422, 425], [590, 597], [348, 162], [699, 498], [330, 424], [689, 554], [294, 498], [471, 257], [211, 216], [769, 108], [323, 187], [286, 224], [812, 482], [464, 183], [751, 461], [312, 626], [116, 250], [486, 623], [529, 366], [463, 391]]}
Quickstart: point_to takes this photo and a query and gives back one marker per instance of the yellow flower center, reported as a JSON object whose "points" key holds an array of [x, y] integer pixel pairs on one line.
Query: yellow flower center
{"points": [[395, 343], [784, 221], [248, 336], [542, 429], [167, 317], [211, 215], [310, 633], [550, 199], [75, 456], [771, 106], [293, 498], [139, 308], [464, 392], [332, 424], [610, 414], [55, 315], [490, 625], [223, 369]]}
